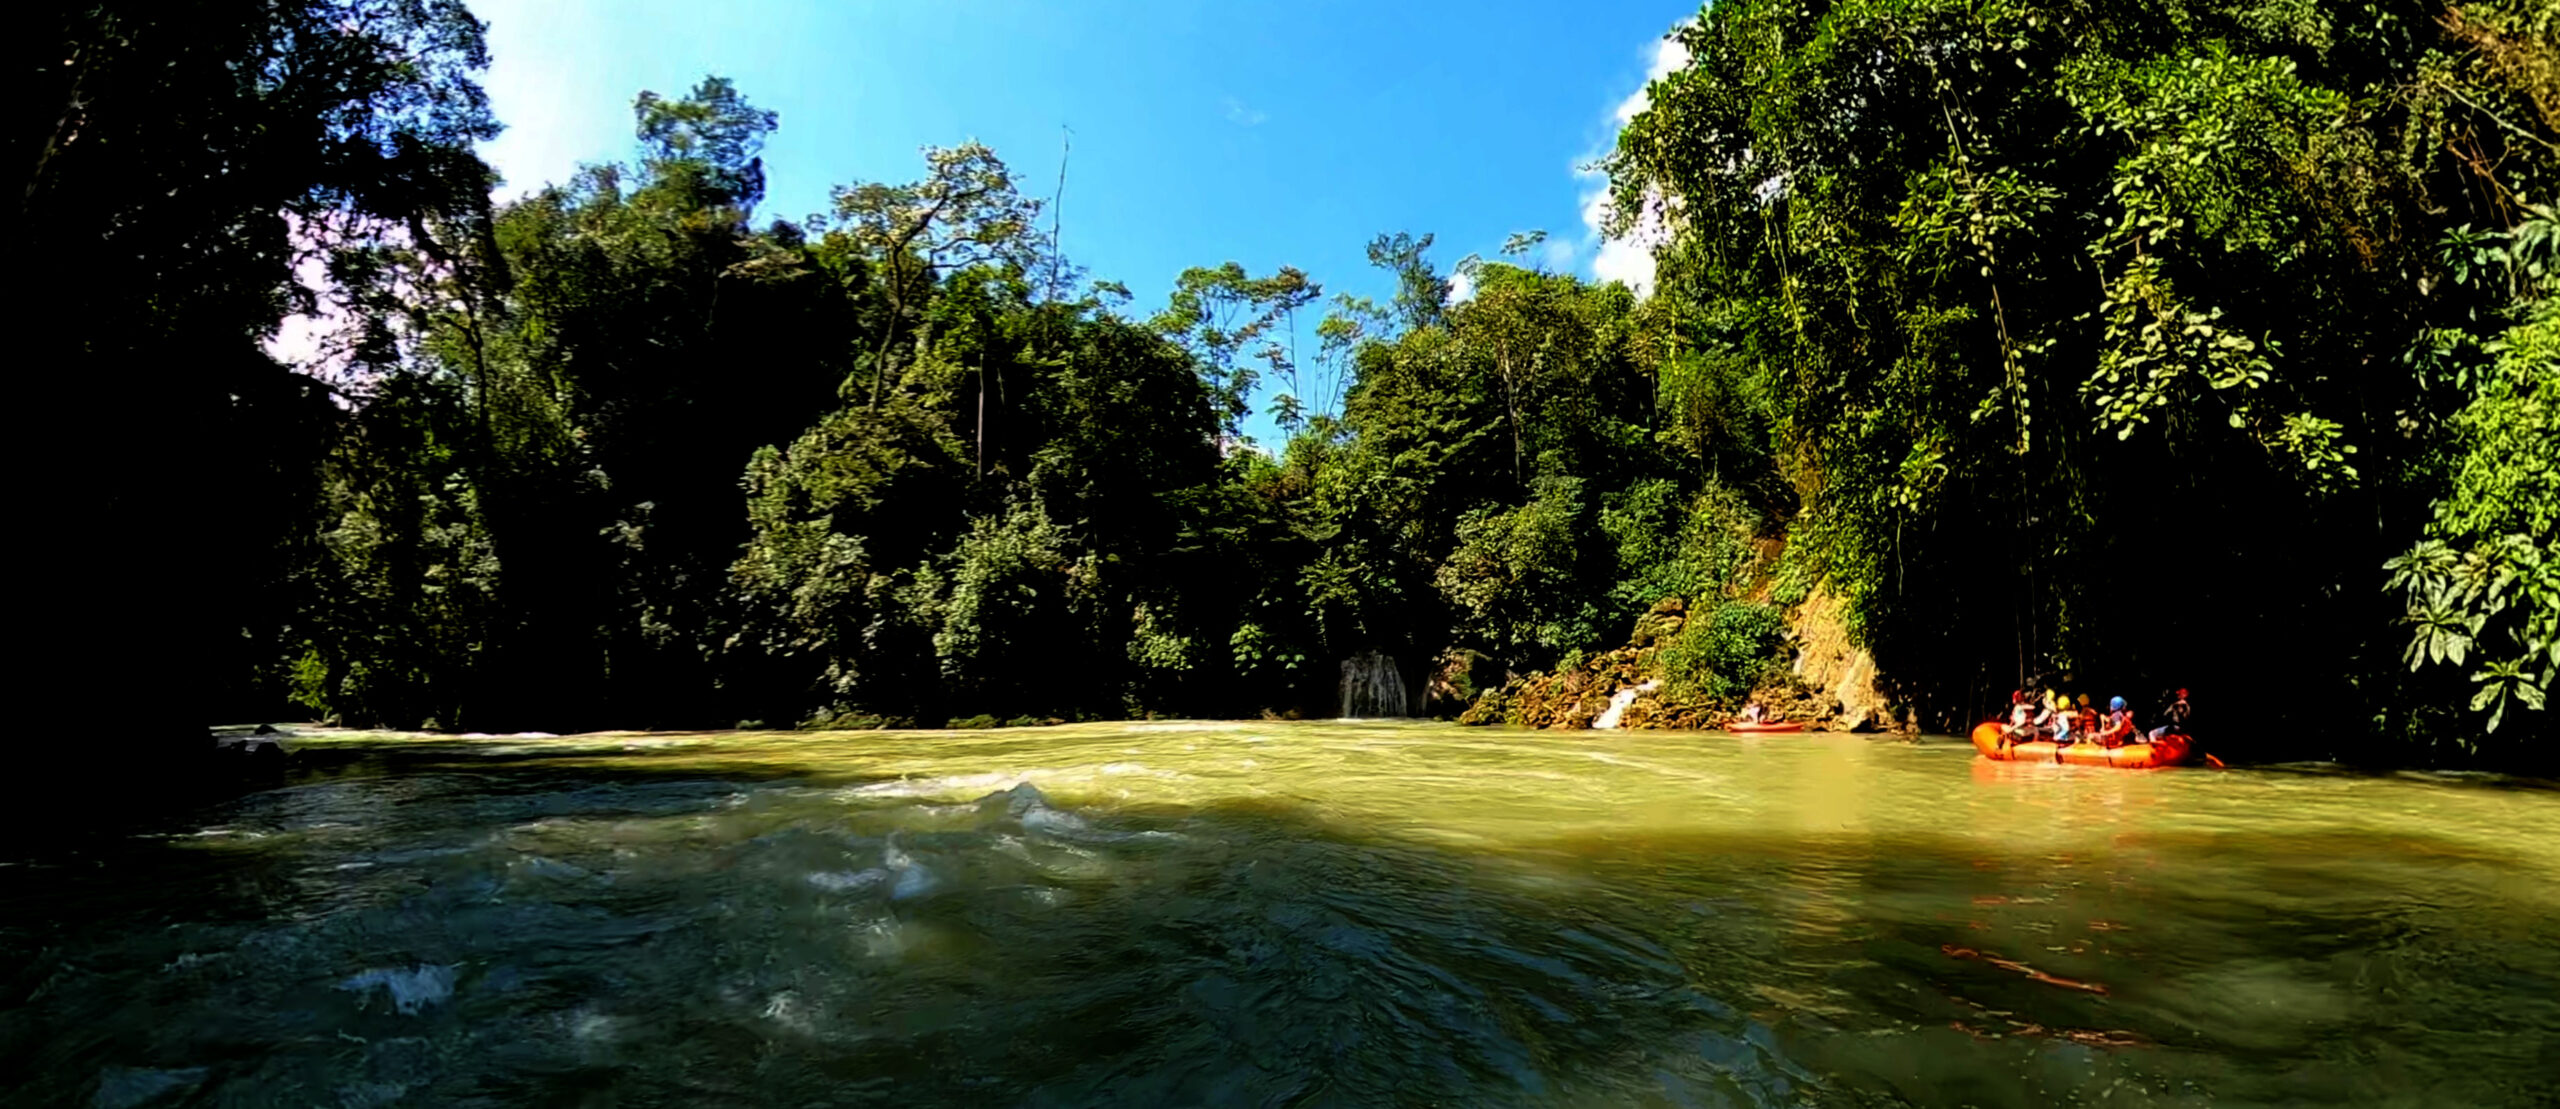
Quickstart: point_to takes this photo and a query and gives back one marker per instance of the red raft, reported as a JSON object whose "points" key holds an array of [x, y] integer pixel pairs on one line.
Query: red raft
{"points": [[1746, 726], [2168, 750]]}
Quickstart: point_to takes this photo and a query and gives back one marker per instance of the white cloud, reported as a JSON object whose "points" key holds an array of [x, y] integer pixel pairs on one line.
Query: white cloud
{"points": [[321, 344], [296, 342], [300, 341], [1669, 56], [1627, 258], [1461, 288], [1555, 255], [1629, 262], [1244, 115], [562, 105]]}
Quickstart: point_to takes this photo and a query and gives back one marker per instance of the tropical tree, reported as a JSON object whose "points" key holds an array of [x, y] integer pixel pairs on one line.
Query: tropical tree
{"points": [[2039, 296], [182, 163]]}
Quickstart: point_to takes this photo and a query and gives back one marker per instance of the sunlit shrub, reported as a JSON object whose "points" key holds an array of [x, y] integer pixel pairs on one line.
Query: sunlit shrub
{"points": [[1721, 658]]}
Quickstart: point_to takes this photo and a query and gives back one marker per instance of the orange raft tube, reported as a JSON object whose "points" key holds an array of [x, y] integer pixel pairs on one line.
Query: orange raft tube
{"points": [[1746, 726], [2168, 750]]}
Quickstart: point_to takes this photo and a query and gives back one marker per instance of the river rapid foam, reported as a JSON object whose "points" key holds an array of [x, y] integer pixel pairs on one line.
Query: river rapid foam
{"points": [[1210, 913]]}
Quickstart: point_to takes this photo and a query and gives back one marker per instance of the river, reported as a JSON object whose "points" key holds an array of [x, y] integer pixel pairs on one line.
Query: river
{"points": [[1285, 914]]}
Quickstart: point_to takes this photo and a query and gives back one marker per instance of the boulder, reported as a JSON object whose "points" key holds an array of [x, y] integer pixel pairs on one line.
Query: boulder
{"points": [[1829, 662]]}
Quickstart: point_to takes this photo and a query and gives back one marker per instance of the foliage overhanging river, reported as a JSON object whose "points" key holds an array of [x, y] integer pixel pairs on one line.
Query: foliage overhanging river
{"points": [[1161, 914]]}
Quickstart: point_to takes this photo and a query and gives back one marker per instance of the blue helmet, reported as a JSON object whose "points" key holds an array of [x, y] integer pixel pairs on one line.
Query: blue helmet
{"points": [[2115, 704]]}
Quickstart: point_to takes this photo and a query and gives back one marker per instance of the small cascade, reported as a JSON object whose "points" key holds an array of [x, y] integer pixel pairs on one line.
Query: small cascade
{"points": [[1371, 687], [1618, 703]]}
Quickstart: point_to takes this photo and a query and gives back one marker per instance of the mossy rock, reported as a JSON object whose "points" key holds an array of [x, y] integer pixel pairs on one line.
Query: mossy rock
{"points": [[1661, 622], [1571, 698], [1493, 706]]}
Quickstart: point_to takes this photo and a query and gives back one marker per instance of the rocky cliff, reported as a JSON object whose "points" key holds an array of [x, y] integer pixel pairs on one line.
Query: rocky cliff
{"points": [[1832, 665]]}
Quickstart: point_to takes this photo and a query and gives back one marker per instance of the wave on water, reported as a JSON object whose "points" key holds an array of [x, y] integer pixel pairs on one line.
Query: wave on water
{"points": [[980, 788], [907, 879], [848, 881], [1019, 822], [935, 787], [410, 990]]}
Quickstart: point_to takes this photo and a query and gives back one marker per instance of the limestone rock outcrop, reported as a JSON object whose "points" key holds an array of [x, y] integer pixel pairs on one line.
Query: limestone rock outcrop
{"points": [[1829, 663]]}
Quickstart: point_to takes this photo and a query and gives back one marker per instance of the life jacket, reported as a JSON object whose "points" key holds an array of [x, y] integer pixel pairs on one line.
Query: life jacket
{"points": [[2119, 726]]}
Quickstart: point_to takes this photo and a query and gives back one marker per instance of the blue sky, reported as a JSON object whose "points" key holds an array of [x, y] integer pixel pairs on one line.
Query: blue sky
{"points": [[1268, 134]]}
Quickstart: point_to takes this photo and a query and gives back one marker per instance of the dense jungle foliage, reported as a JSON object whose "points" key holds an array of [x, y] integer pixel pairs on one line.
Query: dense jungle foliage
{"points": [[2208, 343]]}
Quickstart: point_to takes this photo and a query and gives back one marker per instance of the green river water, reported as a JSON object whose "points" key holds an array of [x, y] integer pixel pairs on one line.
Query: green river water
{"points": [[1287, 914]]}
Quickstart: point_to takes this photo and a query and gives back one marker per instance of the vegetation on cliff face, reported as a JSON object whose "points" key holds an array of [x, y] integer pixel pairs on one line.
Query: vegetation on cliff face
{"points": [[2134, 338], [2127, 341]]}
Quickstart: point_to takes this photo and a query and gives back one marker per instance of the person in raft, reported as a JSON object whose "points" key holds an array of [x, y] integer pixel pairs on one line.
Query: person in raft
{"points": [[2119, 730], [1755, 713], [2062, 717], [2028, 717], [2089, 723], [2174, 716]]}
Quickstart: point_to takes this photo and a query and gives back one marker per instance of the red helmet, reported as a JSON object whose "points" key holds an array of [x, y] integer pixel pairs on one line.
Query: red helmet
{"points": [[2182, 695]]}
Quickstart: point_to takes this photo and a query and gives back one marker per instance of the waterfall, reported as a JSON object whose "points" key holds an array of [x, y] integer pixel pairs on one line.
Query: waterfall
{"points": [[1618, 703], [1371, 687]]}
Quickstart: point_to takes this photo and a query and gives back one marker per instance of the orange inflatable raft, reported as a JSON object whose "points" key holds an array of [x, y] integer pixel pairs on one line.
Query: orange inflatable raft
{"points": [[2168, 750], [1747, 727]]}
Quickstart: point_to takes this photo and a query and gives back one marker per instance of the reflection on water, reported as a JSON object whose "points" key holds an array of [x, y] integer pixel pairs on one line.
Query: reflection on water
{"points": [[1287, 914]]}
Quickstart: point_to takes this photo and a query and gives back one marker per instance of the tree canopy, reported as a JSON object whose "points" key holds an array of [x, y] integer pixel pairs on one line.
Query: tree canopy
{"points": [[2207, 343]]}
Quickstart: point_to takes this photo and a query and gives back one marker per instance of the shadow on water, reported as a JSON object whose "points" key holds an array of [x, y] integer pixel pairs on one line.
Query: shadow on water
{"points": [[441, 926]]}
